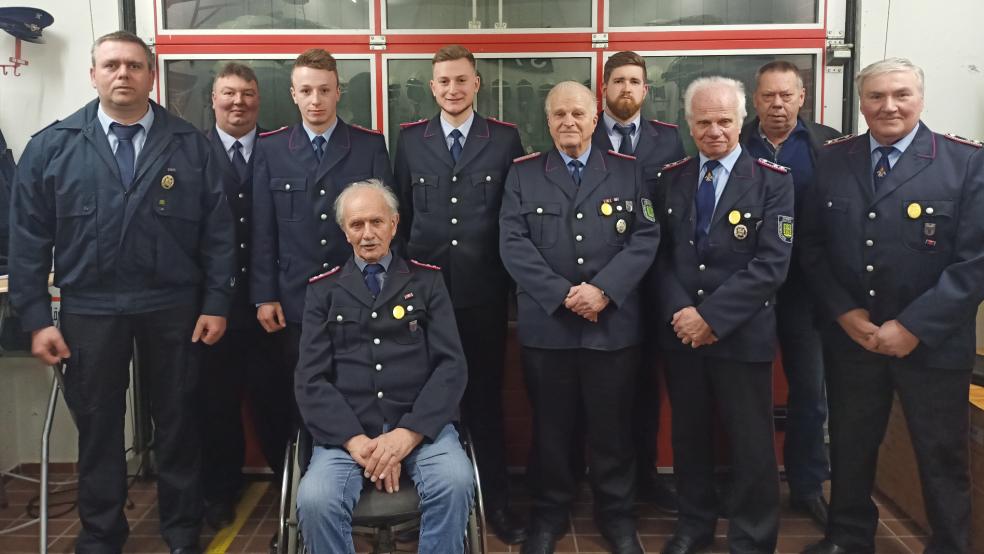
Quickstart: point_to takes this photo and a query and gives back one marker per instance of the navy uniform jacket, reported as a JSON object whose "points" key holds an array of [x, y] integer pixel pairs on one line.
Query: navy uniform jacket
{"points": [[873, 249], [659, 144], [295, 235], [734, 282], [166, 241], [368, 363], [242, 313], [554, 235], [449, 212]]}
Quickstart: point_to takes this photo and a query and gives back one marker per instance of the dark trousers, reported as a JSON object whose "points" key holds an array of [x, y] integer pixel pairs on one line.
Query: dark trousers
{"points": [[741, 392], [804, 451], [96, 379], [861, 386], [645, 412], [483, 338], [558, 382], [248, 361]]}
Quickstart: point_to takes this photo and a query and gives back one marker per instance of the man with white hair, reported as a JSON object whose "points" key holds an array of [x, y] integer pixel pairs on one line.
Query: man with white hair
{"points": [[577, 233], [893, 246], [727, 222]]}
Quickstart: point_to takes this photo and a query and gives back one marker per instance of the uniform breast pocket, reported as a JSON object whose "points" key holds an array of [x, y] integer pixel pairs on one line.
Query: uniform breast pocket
{"points": [[745, 223], [486, 189], [424, 192], [410, 327], [927, 225], [75, 234], [542, 220], [289, 197], [343, 327], [179, 213], [835, 215]]}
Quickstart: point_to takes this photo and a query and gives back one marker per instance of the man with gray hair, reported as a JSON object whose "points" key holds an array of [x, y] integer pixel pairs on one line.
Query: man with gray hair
{"points": [[893, 247], [378, 382], [577, 233], [727, 222]]}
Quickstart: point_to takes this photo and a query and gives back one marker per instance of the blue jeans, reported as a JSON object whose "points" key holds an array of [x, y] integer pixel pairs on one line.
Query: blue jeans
{"points": [[440, 470], [804, 452]]}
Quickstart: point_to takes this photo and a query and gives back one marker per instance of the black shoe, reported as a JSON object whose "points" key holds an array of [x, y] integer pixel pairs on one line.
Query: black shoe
{"points": [[626, 544], [506, 525], [687, 544], [825, 547], [660, 492], [539, 541], [187, 550], [220, 514], [813, 506]]}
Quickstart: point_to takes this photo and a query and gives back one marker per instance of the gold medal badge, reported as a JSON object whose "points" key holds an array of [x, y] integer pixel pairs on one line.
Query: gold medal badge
{"points": [[741, 232], [167, 182], [734, 217], [913, 210], [398, 312], [606, 209]]}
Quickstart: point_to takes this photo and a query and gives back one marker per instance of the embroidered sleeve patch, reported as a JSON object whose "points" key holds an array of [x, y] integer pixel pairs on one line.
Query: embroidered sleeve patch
{"points": [[647, 210], [786, 228]]}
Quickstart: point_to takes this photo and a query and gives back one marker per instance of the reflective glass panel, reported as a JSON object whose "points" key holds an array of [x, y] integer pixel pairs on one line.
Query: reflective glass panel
{"points": [[266, 14], [668, 77], [513, 89], [487, 14], [646, 13], [189, 91]]}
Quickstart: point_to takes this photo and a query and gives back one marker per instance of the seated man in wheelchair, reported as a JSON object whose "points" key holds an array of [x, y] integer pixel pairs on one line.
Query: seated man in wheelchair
{"points": [[378, 382]]}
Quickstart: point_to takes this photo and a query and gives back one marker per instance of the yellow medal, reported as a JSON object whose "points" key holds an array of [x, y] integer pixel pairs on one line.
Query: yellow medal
{"points": [[398, 312], [914, 210], [734, 217]]}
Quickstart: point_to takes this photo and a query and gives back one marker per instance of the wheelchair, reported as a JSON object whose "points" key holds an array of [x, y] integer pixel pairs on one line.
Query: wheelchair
{"points": [[380, 517]]}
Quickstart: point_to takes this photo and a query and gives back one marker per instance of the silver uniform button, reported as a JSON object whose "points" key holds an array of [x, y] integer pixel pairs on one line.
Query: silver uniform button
{"points": [[322, 192], [454, 199], [871, 292], [454, 179], [241, 195], [409, 307], [242, 245], [872, 215], [339, 317], [539, 210], [379, 394], [379, 367], [869, 242], [324, 242], [243, 269], [700, 292], [325, 265], [766, 303], [287, 186], [488, 178], [242, 220], [374, 315], [869, 268], [454, 221], [580, 215], [701, 267], [580, 261], [324, 217], [454, 242], [375, 341], [929, 210], [421, 179], [669, 210], [578, 238], [830, 204]]}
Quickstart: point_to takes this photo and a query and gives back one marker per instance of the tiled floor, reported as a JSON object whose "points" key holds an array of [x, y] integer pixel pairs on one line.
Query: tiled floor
{"points": [[896, 533]]}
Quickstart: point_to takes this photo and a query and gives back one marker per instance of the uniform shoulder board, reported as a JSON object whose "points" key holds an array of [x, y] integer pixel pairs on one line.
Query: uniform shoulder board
{"points": [[273, 132], [773, 166], [527, 157], [839, 140], [665, 123], [500, 122], [676, 164], [45, 128], [366, 129], [422, 264], [967, 141], [331, 271], [621, 155], [412, 123]]}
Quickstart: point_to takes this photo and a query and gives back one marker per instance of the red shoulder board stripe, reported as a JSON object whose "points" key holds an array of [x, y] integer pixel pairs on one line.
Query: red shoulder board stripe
{"points": [[621, 155], [675, 164], [428, 266], [275, 131], [839, 140], [412, 123], [366, 129], [526, 157], [325, 274], [967, 141], [665, 124], [773, 166], [500, 122]]}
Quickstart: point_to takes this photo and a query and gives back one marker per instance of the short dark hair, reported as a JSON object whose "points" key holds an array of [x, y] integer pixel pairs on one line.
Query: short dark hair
{"points": [[619, 59], [238, 69], [779, 66], [124, 36], [316, 58], [453, 52]]}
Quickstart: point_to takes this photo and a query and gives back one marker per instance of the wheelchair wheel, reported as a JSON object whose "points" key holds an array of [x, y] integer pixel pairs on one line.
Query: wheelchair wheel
{"points": [[288, 536], [476, 539]]}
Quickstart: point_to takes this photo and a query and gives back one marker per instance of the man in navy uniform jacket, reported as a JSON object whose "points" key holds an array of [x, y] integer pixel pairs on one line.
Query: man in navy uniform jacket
{"points": [[298, 173], [654, 144], [379, 379], [578, 234], [449, 172], [893, 245], [727, 220], [130, 197]]}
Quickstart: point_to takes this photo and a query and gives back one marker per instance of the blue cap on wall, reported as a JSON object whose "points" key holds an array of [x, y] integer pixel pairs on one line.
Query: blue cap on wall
{"points": [[25, 23]]}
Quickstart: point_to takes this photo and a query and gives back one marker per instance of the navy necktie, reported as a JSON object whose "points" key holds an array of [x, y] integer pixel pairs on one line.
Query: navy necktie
{"points": [[705, 202], [319, 146], [456, 146], [882, 168], [576, 166], [626, 131], [371, 275], [125, 153], [239, 160]]}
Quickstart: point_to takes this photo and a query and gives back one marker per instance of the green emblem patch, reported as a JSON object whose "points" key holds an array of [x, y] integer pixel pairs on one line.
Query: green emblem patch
{"points": [[647, 210], [786, 228]]}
